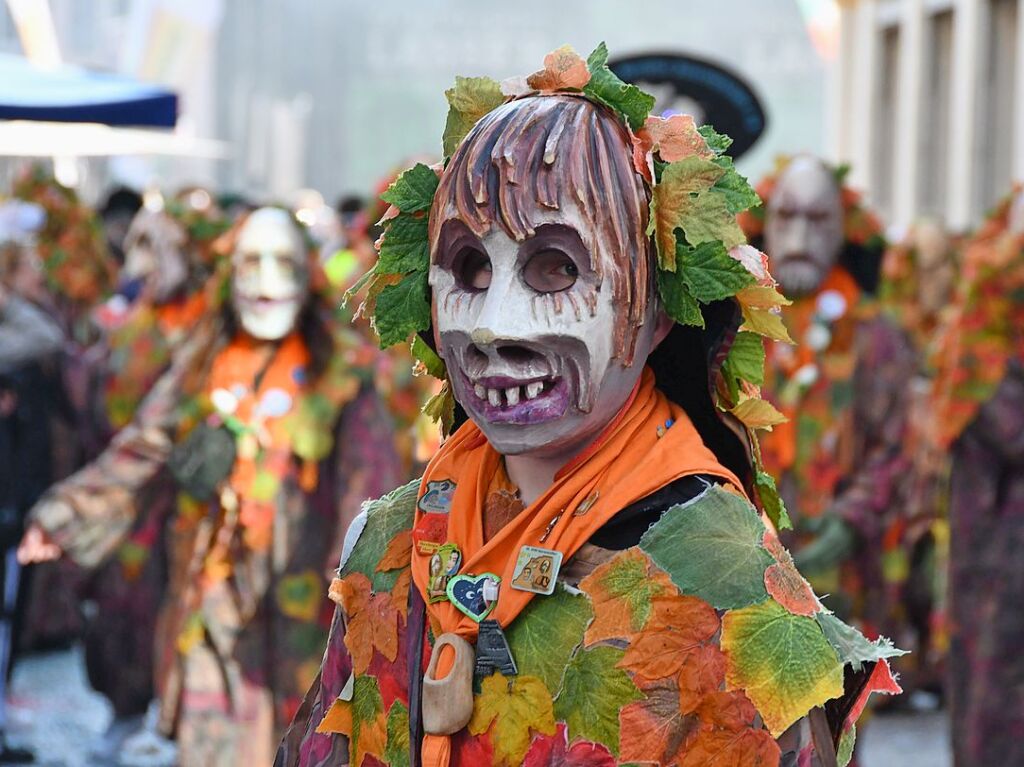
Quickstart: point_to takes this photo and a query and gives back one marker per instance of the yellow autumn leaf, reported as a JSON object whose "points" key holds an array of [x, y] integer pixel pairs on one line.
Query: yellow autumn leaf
{"points": [[765, 323], [513, 708], [757, 413]]}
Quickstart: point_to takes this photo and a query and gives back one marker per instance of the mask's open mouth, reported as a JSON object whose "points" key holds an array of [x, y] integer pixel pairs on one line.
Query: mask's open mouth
{"points": [[501, 399]]}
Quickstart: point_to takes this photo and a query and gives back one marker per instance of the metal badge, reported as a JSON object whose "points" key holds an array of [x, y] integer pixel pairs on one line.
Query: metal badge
{"points": [[474, 595], [536, 570], [492, 651], [444, 563]]}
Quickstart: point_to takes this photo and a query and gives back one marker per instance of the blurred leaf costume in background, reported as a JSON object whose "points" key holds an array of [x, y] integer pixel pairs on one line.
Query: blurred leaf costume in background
{"points": [[979, 415], [844, 388], [633, 610], [268, 424]]}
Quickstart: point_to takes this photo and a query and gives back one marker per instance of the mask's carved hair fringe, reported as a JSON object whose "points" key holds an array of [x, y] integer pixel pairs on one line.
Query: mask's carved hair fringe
{"points": [[544, 153]]}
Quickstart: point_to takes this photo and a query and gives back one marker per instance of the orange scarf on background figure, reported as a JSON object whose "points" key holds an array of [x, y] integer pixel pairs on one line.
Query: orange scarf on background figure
{"points": [[635, 456]]}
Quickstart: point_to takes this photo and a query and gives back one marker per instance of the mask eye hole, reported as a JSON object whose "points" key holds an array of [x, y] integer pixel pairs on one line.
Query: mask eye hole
{"points": [[550, 271], [472, 269]]}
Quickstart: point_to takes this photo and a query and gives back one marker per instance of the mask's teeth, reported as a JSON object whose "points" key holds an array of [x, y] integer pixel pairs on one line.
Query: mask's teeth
{"points": [[512, 395], [534, 389], [494, 396], [480, 391]]}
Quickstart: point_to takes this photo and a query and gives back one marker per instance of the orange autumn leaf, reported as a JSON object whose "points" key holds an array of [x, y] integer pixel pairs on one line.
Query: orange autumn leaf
{"points": [[727, 735], [373, 738], [400, 593], [563, 70], [372, 622], [337, 720], [678, 642], [757, 413], [673, 138], [351, 592], [621, 591], [655, 729], [784, 582], [398, 553]]}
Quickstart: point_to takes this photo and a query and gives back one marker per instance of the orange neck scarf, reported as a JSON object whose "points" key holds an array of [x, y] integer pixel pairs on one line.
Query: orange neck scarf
{"points": [[650, 444]]}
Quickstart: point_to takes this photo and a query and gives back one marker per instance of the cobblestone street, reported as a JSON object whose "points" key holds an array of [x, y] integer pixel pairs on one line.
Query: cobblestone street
{"points": [[53, 710]]}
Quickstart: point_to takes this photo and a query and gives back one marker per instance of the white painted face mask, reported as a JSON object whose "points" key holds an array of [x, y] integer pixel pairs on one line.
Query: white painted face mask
{"points": [[155, 254], [270, 280], [526, 329], [804, 226]]}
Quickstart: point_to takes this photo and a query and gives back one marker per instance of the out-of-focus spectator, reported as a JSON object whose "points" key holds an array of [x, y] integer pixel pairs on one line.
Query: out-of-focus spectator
{"points": [[117, 213]]}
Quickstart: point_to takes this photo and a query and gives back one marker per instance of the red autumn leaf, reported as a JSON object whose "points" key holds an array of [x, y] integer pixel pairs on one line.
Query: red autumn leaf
{"points": [[673, 138], [881, 681], [784, 582], [678, 642], [555, 751], [727, 736], [471, 749], [727, 710], [563, 70], [654, 729], [371, 622]]}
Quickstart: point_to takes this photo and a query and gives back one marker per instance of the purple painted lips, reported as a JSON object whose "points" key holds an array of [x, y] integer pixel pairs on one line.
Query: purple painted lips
{"points": [[501, 399]]}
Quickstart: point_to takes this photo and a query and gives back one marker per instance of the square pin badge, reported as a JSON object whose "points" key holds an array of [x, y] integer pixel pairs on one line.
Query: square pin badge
{"points": [[536, 570]]}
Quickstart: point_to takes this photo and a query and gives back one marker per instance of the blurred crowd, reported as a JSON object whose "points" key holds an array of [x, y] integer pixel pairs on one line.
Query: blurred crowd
{"points": [[190, 416]]}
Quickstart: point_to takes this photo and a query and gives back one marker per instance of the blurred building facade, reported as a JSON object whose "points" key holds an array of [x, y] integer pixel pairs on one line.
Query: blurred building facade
{"points": [[928, 107]]}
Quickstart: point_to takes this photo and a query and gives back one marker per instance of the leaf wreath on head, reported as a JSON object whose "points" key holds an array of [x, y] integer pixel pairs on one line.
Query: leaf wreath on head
{"points": [[695, 197]]}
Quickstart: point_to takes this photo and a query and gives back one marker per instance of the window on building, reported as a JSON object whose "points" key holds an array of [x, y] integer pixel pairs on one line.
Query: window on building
{"points": [[936, 82], [884, 135], [994, 150]]}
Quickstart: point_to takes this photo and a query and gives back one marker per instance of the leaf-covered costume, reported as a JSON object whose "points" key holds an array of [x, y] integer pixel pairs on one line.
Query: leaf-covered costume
{"points": [[677, 630], [979, 411], [242, 622], [845, 389]]}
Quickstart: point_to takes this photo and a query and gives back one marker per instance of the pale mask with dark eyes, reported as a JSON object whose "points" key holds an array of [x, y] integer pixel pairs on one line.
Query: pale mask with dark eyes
{"points": [[804, 226], [155, 254], [269, 278], [526, 329]]}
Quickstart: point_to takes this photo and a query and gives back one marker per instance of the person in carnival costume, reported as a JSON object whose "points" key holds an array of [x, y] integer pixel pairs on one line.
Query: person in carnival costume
{"points": [[978, 407], [842, 389], [268, 425], [580, 575]]}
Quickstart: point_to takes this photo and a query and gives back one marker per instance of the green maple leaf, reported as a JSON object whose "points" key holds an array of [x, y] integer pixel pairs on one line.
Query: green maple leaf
{"points": [[710, 272], [441, 409], [739, 194], [413, 190], [717, 142], [396, 753], [544, 636], [712, 548], [852, 646], [405, 247], [607, 88], [469, 100], [781, 661], [746, 358], [367, 705], [386, 517], [772, 502], [593, 691], [847, 741], [676, 299], [402, 309]]}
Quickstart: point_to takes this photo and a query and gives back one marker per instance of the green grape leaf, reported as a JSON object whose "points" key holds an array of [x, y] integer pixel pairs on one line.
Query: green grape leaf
{"points": [[405, 247], [847, 742], [746, 358], [386, 518], [852, 646], [676, 299], [718, 142], [605, 87], [783, 662], [739, 194], [547, 632], [469, 100], [712, 548], [710, 272], [771, 501], [402, 309], [396, 753], [413, 190], [433, 364], [593, 691]]}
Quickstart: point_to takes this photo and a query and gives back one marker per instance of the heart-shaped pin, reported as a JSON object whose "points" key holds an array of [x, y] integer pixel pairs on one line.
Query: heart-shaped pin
{"points": [[474, 595]]}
